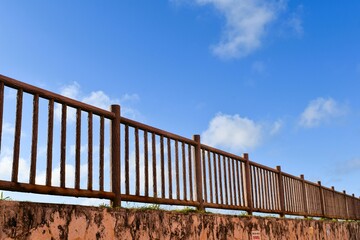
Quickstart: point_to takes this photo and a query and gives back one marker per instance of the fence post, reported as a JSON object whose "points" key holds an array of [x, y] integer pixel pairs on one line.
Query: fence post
{"points": [[198, 172], [346, 216], [304, 195], [281, 192], [322, 204], [358, 209], [355, 207], [248, 183], [334, 208], [115, 156]]}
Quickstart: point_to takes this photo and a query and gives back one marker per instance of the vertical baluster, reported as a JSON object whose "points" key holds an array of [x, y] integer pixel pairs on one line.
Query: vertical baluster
{"points": [[266, 186], [162, 159], [220, 180], [146, 163], [226, 199], [50, 142], [190, 173], [292, 194], [1, 109], [286, 194], [90, 151], [101, 154], [230, 180], [127, 179], [17, 137], [230, 200], [78, 148], [35, 126], [272, 191], [242, 176], [204, 180], [137, 162], [169, 166], [260, 187], [177, 169], [237, 174], [184, 169], [210, 177], [215, 178], [63, 146], [153, 146], [233, 180]]}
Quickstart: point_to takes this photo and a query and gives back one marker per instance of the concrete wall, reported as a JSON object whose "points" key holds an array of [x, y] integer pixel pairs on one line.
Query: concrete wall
{"points": [[24, 220]]}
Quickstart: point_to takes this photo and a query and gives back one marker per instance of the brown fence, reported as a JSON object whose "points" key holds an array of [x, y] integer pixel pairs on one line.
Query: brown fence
{"points": [[150, 165]]}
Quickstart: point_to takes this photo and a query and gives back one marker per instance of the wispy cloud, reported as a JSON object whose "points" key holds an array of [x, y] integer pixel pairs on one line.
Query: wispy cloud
{"points": [[295, 21], [99, 99], [276, 127], [246, 24], [258, 67], [349, 166], [320, 111]]}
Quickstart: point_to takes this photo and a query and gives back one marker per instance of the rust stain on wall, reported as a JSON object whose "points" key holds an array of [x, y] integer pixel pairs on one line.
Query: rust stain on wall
{"points": [[24, 220]]}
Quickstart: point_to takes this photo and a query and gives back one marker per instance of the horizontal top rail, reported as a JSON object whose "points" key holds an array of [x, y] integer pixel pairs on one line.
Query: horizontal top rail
{"points": [[218, 151], [264, 167], [56, 97], [148, 128]]}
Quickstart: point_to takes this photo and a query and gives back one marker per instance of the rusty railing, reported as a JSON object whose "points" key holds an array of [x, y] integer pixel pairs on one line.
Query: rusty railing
{"points": [[150, 165]]}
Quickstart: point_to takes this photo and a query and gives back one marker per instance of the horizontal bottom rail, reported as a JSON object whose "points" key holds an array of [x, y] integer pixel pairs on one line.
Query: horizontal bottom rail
{"points": [[51, 190]]}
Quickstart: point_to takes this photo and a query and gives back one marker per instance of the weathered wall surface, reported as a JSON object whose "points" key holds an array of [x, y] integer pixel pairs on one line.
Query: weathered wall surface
{"points": [[24, 220]]}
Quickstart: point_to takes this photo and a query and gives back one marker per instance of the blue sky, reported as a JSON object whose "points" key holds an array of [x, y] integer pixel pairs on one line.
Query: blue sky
{"points": [[277, 79]]}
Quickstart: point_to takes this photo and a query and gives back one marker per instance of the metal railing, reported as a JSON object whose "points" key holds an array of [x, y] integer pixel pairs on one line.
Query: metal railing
{"points": [[150, 165]]}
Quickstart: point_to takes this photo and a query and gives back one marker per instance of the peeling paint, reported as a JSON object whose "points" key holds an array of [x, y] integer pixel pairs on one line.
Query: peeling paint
{"points": [[24, 220]]}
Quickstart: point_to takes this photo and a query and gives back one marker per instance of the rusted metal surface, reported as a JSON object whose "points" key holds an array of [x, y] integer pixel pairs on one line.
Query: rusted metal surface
{"points": [[115, 156], [1, 109], [146, 163], [34, 138], [16, 155], [63, 146], [199, 179], [101, 154], [78, 148], [190, 173], [90, 151], [50, 142]]}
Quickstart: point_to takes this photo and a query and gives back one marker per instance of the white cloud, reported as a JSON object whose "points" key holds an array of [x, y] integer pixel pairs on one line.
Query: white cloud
{"points": [[319, 111], [71, 90], [246, 23], [8, 128], [233, 132], [98, 99], [6, 162], [69, 176], [276, 127]]}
